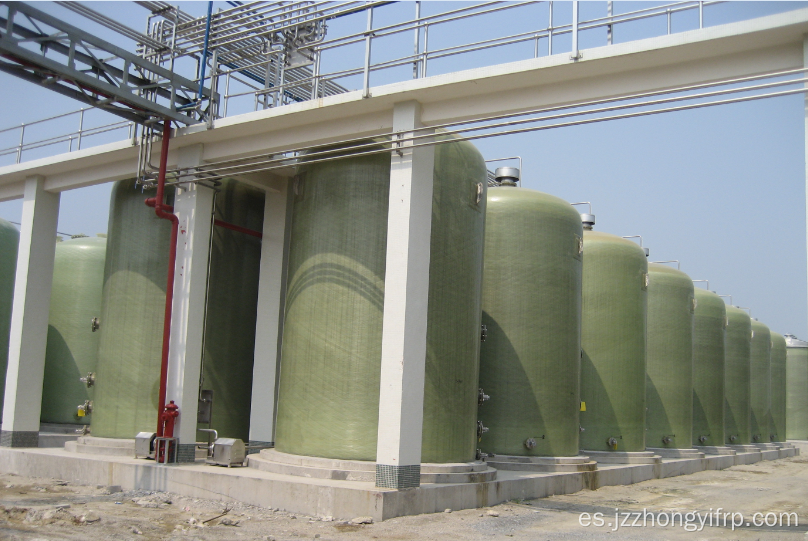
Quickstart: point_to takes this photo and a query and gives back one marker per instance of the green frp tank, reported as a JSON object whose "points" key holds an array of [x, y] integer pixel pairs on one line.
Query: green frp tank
{"points": [[135, 276], [328, 400], [227, 367], [133, 306], [737, 359], [72, 350], [709, 329], [9, 242], [778, 393], [530, 360], [669, 367], [613, 344], [760, 382], [796, 388]]}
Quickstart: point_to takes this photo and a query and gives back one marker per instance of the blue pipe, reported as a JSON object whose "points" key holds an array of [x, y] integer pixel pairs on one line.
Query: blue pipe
{"points": [[204, 54]]}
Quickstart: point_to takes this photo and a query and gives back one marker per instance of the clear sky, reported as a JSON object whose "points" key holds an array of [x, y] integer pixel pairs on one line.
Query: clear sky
{"points": [[722, 189]]}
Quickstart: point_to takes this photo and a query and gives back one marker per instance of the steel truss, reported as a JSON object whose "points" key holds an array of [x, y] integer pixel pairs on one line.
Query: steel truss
{"points": [[92, 70]]}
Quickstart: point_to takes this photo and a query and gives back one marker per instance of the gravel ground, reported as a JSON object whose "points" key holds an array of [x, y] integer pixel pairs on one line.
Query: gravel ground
{"points": [[39, 509]]}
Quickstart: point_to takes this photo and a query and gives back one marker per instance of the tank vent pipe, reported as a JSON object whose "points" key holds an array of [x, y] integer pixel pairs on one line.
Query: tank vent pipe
{"points": [[587, 219], [507, 176], [706, 282]]}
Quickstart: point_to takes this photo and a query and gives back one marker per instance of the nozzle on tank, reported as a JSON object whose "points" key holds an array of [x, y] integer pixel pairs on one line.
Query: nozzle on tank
{"points": [[587, 219], [507, 176]]}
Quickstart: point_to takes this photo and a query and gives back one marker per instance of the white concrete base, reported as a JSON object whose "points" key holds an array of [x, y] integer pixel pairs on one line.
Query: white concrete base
{"points": [[91, 445], [330, 497], [715, 450], [270, 460], [676, 453], [766, 446], [542, 463], [56, 435], [623, 457], [800, 445]]}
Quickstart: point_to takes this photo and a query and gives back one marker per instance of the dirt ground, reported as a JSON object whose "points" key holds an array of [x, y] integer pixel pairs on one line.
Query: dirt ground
{"points": [[40, 509]]}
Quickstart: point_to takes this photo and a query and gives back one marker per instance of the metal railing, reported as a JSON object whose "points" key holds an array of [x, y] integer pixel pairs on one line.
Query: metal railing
{"points": [[282, 91], [79, 136], [272, 78]]}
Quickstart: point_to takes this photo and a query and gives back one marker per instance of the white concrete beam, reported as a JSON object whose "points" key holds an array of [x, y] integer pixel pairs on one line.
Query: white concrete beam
{"points": [[269, 315], [742, 48], [805, 64], [406, 297], [29, 317], [193, 204]]}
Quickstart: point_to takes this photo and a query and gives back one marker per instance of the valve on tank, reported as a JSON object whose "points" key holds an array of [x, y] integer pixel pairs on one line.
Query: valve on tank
{"points": [[481, 430], [95, 324], [85, 409], [482, 397], [89, 379], [530, 443], [483, 333], [756, 437], [733, 438], [612, 443], [668, 439], [703, 438]]}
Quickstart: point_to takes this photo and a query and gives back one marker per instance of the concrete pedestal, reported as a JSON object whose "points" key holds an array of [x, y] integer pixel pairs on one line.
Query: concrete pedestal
{"points": [[542, 463], [623, 457], [715, 450], [676, 453], [273, 461]]}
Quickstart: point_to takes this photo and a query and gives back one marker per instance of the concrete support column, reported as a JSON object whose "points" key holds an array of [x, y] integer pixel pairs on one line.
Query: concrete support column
{"points": [[29, 316], [269, 316], [193, 205], [406, 292]]}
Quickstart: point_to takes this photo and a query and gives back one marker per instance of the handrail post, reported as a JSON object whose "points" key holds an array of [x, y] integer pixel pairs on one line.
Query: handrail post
{"points": [[22, 137], [417, 39], [610, 28], [550, 30], [575, 54], [81, 127], [368, 40], [425, 54], [701, 14], [668, 13]]}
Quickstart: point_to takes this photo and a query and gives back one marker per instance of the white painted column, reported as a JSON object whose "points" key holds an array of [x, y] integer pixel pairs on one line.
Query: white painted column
{"points": [[193, 205], [406, 295], [269, 317], [29, 316]]}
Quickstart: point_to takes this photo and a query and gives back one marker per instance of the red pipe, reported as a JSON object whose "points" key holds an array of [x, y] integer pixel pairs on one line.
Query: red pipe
{"points": [[160, 209], [237, 228]]}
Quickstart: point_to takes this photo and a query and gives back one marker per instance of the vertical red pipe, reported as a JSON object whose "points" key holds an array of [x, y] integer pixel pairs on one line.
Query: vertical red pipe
{"points": [[160, 210]]}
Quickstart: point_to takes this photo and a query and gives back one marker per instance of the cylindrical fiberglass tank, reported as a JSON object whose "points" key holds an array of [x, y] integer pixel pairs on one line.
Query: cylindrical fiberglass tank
{"points": [[530, 360], [737, 364], [796, 388], [328, 404], [72, 350], [9, 242], [709, 328], [615, 272], [130, 348], [669, 368], [778, 393], [760, 382]]}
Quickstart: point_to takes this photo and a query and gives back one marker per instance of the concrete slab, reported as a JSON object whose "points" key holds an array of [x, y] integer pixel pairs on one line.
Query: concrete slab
{"points": [[329, 497], [747, 457]]}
